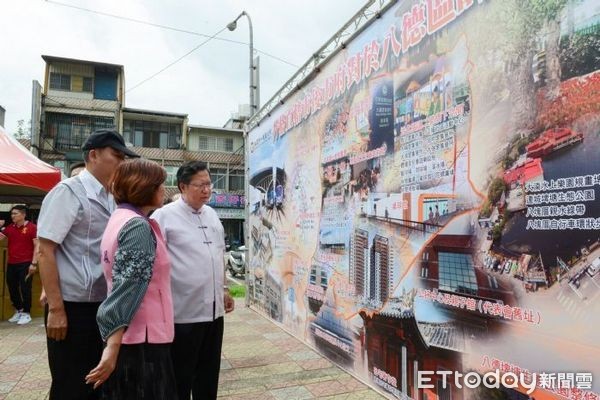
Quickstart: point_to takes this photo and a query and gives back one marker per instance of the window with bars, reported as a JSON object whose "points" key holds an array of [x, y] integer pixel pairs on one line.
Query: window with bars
{"points": [[218, 176], [70, 131], [154, 134], [236, 180], [211, 143], [88, 84], [60, 81], [74, 83]]}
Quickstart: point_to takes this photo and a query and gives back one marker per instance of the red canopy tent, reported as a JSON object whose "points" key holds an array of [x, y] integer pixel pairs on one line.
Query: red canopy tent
{"points": [[23, 177]]}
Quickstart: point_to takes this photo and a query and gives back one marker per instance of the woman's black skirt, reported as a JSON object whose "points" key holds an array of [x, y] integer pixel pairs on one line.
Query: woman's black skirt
{"points": [[143, 371]]}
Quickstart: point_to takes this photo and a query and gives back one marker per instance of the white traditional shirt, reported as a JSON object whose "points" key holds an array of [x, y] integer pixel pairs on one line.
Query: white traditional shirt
{"points": [[196, 244]]}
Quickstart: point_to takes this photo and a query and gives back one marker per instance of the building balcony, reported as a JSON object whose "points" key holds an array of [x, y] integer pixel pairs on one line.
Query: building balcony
{"points": [[76, 103], [67, 132]]}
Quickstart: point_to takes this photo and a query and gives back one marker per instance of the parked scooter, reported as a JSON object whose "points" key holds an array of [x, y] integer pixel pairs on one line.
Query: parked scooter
{"points": [[236, 261]]}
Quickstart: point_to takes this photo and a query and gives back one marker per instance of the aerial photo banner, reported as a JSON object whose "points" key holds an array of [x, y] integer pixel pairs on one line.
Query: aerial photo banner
{"points": [[429, 204]]}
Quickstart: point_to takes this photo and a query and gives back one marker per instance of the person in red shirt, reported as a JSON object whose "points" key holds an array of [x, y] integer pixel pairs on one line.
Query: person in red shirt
{"points": [[22, 262]]}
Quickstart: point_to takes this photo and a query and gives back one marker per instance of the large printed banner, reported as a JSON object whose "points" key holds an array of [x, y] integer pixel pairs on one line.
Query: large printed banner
{"points": [[426, 211]]}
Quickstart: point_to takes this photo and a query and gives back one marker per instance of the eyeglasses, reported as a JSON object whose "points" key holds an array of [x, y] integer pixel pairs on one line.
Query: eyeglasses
{"points": [[202, 186]]}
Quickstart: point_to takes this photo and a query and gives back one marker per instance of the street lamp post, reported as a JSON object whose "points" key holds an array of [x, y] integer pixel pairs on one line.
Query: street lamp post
{"points": [[231, 26], [253, 109]]}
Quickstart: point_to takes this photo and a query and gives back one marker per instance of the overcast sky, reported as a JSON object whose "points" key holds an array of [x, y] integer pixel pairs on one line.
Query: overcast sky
{"points": [[208, 84]]}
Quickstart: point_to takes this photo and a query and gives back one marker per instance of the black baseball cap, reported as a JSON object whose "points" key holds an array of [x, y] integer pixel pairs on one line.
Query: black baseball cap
{"points": [[107, 138]]}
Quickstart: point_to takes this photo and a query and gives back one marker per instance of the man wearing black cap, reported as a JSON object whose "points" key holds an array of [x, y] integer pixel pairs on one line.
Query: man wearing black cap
{"points": [[70, 227]]}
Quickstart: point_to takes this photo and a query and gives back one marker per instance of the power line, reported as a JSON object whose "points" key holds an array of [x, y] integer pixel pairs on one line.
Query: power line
{"points": [[176, 61], [273, 57], [138, 21]]}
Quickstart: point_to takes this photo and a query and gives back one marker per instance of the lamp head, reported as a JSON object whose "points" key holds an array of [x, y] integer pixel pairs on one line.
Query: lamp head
{"points": [[232, 25]]}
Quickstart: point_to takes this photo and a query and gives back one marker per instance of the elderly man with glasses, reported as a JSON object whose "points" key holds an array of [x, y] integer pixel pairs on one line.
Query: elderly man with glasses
{"points": [[196, 244]]}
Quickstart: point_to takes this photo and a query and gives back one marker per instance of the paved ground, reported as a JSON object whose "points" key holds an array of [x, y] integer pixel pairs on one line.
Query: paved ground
{"points": [[260, 361]]}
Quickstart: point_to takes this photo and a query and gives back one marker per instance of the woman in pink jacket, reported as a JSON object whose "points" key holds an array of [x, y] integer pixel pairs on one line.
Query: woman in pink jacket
{"points": [[136, 319]]}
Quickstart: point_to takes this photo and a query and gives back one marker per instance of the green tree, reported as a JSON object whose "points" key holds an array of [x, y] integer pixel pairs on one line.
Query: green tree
{"points": [[580, 53], [486, 210], [497, 231], [548, 15], [533, 21], [507, 161], [23, 131], [497, 187], [519, 28]]}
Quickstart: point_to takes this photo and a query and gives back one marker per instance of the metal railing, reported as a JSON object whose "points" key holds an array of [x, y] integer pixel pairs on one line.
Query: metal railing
{"points": [[373, 9]]}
